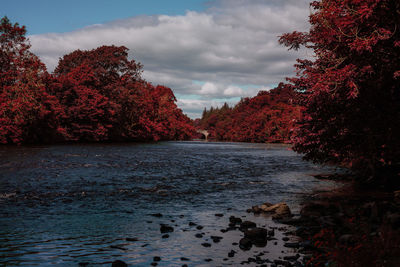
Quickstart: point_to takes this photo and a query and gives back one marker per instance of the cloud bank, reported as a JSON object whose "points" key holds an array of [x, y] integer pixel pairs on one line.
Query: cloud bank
{"points": [[208, 58]]}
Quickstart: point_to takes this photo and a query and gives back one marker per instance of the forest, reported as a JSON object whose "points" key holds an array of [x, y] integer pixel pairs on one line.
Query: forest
{"points": [[95, 95], [271, 116]]}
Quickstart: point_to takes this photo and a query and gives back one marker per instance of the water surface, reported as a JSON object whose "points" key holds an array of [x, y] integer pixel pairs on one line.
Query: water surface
{"points": [[70, 204]]}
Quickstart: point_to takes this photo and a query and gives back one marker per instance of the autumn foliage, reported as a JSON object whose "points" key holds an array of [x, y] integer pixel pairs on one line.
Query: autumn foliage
{"points": [[351, 88], [95, 95], [270, 116]]}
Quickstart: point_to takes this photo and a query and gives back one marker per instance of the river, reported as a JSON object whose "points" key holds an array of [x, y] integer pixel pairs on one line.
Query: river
{"points": [[67, 205]]}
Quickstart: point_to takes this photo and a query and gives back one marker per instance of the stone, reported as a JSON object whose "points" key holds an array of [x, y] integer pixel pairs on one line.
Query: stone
{"points": [[258, 236], [231, 253], [235, 220], [119, 263], [291, 258], [282, 211], [266, 205], [156, 258], [219, 215], [199, 227], [198, 235], [165, 228], [184, 259], [256, 209], [132, 239], [165, 236], [292, 245], [206, 245], [216, 239], [247, 224], [256, 233], [158, 215], [245, 243]]}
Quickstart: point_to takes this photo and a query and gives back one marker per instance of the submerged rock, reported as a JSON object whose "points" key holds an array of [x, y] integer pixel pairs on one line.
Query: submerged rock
{"points": [[119, 263], [257, 236], [165, 228], [246, 225], [235, 220], [245, 243]]}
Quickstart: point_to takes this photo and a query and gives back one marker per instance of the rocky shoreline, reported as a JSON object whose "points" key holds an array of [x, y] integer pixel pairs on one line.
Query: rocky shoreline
{"points": [[350, 226], [256, 239], [343, 227]]}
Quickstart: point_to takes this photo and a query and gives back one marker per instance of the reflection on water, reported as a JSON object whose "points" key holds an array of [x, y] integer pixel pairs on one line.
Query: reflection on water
{"points": [[65, 205]]}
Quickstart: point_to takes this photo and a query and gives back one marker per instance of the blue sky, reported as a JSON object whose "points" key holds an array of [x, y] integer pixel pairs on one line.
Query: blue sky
{"points": [[207, 51], [44, 16]]}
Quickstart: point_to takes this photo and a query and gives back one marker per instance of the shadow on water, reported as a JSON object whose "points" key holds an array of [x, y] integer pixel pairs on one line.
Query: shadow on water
{"points": [[70, 204]]}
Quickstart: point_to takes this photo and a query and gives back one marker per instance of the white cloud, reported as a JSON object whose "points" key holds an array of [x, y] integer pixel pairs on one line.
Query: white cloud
{"points": [[233, 91], [229, 46], [209, 89]]}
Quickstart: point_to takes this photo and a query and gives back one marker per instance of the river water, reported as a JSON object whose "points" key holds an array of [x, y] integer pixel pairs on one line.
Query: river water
{"points": [[67, 205]]}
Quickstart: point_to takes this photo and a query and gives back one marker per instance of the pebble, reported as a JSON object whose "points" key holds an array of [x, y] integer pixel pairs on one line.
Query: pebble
{"points": [[207, 245], [292, 245], [164, 228], [216, 239]]}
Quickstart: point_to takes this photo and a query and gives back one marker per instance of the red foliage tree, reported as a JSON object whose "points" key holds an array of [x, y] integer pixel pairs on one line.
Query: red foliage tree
{"points": [[26, 109], [87, 114], [103, 83], [351, 89]]}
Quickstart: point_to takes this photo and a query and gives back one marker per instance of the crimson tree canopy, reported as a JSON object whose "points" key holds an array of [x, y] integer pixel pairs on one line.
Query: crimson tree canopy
{"points": [[25, 107], [352, 86]]}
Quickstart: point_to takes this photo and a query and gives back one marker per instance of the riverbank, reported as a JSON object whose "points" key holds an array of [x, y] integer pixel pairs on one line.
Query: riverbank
{"points": [[351, 226]]}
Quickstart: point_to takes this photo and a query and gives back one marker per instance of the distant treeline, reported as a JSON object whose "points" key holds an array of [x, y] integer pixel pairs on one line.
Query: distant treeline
{"points": [[270, 116]]}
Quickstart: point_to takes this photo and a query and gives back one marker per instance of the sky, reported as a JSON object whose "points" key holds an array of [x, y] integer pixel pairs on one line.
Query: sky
{"points": [[207, 51]]}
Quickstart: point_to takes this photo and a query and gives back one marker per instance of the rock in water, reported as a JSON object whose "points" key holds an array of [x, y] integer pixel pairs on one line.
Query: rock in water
{"points": [[257, 236], [119, 263], [281, 212], [246, 225], [164, 228], [245, 243]]}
